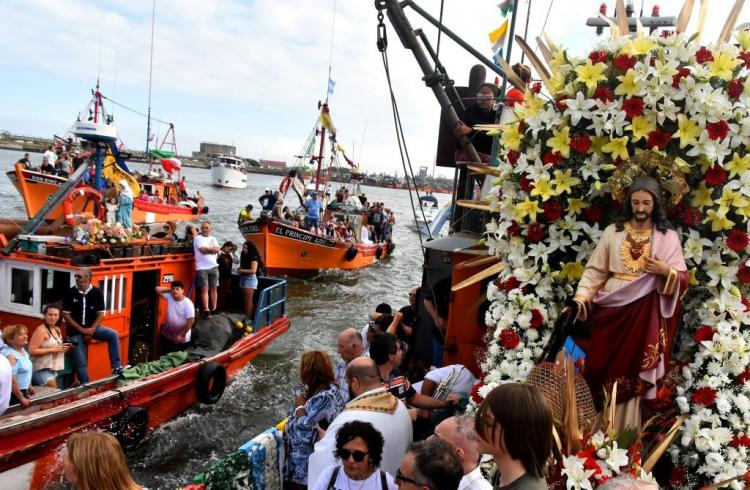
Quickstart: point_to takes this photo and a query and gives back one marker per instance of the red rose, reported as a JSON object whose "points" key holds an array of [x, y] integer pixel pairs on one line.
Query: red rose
{"points": [[737, 441], [745, 56], [604, 94], [560, 102], [678, 476], [673, 212], [744, 377], [705, 396], [632, 107], [513, 230], [509, 338], [599, 57], [658, 138], [717, 130], [746, 303], [552, 210], [743, 274], [692, 216], [526, 184], [511, 284], [535, 232], [512, 157], [704, 55], [592, 214], [536, 87], [581, 143], [716, 175], [681, 73], [735, 88], [624, 62], [537, 319], [738, 240], [704, 334], [552, 157], [475, 397]]}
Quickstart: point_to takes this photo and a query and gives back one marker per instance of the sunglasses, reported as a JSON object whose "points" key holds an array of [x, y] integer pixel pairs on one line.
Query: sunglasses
{"points": [[357, 456], [78, 276], [400, 478]]}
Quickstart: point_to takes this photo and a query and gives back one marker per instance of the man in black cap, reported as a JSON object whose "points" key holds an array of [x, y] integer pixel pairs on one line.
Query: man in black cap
{"points": [[267, 200]]}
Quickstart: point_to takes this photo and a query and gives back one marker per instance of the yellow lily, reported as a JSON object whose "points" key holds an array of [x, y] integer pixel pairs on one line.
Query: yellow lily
{"points": [[731, 198], [639, 46], [693, 280], [575, 206], [591, 74], [526, 208], [701, 196], [738, 165], [511, 138], [564, 181], [743, 38], [572, 271], [723, 65], [532, 105], [543, 189], [641, 126], [687, 131], [618, 147], [718, 219], [560, 141], [629, 86]]}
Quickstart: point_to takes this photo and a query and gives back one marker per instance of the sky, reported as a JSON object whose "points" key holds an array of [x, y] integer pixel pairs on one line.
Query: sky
{"points": [[250, 73]]}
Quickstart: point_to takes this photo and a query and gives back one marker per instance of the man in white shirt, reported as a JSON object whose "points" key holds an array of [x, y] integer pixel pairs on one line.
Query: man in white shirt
{"points": [[349, 347], [207, 250], [49, 156], [453, 380], [176, 332], [459, 432], [370, 403]]}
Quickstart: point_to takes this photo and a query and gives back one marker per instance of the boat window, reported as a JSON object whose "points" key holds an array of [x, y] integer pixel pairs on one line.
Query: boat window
{"points": [[114, 288], [54, 285], [21, 286]]}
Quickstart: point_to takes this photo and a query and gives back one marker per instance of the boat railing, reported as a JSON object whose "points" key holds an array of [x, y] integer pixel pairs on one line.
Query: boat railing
{"points": [[271, 301]]}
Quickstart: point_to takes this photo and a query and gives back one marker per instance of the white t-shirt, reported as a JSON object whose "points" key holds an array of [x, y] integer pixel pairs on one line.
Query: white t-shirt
{"points": [[474, 481], [6, 380], [343, 482], [462, 384], [178, 314], [50, 156], [205, 261]]}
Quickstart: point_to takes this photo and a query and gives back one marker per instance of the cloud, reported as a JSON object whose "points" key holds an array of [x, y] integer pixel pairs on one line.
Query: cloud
{"points": [[251, 72]]}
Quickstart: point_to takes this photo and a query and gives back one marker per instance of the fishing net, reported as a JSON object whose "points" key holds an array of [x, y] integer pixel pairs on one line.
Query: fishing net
{"points": [[551, 381]]}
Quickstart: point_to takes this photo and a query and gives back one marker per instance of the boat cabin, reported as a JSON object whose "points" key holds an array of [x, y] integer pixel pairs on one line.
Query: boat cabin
{"points": [[229, 162]]}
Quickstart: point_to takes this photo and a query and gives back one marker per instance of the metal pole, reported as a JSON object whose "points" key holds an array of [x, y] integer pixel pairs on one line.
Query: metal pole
{"points": [[406, 34], [510, 43], [150, 73], [526, 29]]}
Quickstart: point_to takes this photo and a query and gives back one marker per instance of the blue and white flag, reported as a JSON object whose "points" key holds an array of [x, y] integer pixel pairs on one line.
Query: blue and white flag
{"points": [[498, 56], [331, 85]]}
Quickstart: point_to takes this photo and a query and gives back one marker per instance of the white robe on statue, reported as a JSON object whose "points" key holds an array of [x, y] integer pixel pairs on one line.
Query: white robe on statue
{"points": [[396, 430]]}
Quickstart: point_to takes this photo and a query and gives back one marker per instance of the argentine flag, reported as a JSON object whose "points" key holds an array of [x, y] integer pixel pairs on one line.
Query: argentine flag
{"points": [[331, 85]]}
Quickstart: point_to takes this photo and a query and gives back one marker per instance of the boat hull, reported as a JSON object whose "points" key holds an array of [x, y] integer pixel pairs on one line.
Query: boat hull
{"points": [[228, 177], [294, 251], [36, 188]]}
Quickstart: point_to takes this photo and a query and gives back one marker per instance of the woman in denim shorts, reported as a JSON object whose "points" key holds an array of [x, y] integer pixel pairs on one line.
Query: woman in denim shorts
{"points": [[249, 262]]}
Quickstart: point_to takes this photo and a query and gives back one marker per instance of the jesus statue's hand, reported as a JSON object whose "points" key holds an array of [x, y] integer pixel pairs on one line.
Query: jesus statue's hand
{"points": [[656, 266]]}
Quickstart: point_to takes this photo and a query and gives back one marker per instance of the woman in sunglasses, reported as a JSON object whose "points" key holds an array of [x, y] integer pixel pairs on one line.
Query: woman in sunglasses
{"points": [[359, 447]]}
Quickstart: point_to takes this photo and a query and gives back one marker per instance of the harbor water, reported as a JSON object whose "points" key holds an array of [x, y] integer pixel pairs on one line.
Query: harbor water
{"points": [[319, 308]]}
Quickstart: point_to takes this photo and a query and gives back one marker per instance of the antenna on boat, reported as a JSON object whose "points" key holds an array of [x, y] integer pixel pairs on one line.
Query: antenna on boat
{"points": [[331, 83], [150, 73]]}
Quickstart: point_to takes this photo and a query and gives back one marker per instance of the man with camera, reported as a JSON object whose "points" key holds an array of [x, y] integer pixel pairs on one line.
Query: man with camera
{"points": [[83, 310]]}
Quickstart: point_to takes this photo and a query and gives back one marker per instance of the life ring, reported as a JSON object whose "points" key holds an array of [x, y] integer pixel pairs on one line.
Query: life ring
{"points": [[131, 426], [285, 184], [378, 252], [210, 382], [70, 217], [351, 253]]}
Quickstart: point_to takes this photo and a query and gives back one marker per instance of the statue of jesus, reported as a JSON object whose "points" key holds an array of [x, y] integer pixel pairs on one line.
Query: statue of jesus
{"points": [[630, 290]]}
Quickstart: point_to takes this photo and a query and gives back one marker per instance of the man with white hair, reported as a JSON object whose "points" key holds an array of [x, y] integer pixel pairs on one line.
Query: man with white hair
{"points": [[459, 432], [349, 347]]}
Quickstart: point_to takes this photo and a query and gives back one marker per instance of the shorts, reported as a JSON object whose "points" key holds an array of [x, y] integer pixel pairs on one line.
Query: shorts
{"points": [[248, 281], [312, 222], [207, 277], [41, 377]]}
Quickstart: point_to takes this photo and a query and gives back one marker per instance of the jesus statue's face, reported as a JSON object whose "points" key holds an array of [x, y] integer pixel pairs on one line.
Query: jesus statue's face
{"points": [[642, 204]]}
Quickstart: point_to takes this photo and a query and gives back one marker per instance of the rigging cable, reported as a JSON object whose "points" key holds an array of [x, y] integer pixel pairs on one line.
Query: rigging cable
{"points": [[440, 31], [541, 31], [330, 56], [143, 114]]}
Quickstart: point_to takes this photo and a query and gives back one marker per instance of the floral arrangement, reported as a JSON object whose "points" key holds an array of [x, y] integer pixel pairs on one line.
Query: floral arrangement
{"points": [[96, 232], [566, 158]]}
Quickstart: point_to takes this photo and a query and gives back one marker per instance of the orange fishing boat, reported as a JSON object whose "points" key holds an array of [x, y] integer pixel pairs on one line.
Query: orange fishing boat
{"points": [[37, 187], [287, 248]]}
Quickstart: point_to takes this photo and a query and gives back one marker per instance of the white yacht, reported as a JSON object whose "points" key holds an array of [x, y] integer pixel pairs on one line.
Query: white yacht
{"points": [[228, 171]]}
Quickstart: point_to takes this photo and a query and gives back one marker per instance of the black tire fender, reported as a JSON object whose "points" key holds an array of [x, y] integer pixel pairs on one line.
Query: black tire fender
{"points": [[391, 248], [131, 426], [351, 253], [210, 382], [194, 209], [205, 209], [379, 252]]}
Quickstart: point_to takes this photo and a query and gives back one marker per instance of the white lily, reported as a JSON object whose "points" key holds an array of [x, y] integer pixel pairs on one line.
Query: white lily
{"points": [[579, 108]]}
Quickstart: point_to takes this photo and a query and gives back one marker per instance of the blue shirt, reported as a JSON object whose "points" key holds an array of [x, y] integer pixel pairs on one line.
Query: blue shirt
{"points": [[22, 368], [314, 207]]}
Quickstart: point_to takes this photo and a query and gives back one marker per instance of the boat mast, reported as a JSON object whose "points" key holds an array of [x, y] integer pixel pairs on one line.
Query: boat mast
{"points": [[150, 74], [97, 102], [319, 158]]}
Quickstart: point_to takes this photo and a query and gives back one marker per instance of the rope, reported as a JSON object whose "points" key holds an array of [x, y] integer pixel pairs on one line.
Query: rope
{"points": [[142, 114]]}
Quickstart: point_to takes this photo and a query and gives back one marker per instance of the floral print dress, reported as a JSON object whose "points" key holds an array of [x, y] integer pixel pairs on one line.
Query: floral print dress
{"points": [[301, 434]]}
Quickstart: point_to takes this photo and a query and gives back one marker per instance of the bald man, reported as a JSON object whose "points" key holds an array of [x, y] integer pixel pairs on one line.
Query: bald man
{"points": [[349, 347], [370, 403], [459, 432]]}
